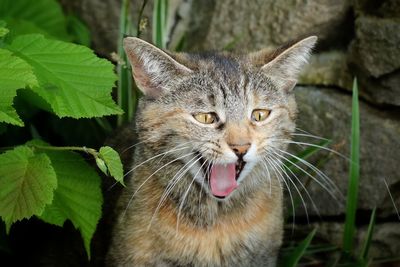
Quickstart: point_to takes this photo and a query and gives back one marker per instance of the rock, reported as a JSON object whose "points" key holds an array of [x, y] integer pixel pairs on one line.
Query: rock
{"points": [[255, 24], [376, 48], [327, 113], [331, 69], [383, 8], [374, 55], [382, 90], [327, 69]]}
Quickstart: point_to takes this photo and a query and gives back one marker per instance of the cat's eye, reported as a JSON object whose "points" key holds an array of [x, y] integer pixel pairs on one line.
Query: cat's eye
{"points": [[260, 114], [206, 118]]}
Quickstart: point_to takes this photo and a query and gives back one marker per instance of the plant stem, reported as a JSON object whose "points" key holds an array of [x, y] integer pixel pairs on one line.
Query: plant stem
{"points": [[123, 76], [159, 23], [139, 30], [90, 151]]}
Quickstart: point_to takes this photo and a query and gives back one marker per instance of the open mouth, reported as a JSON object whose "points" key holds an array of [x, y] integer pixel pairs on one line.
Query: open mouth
{"points": [[222, 178]]}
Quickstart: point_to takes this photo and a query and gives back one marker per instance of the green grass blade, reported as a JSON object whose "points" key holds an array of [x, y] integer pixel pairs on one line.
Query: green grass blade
{"points": [[351, 205], [159, 23], [293, 259], [124, 74], [368, 237]]}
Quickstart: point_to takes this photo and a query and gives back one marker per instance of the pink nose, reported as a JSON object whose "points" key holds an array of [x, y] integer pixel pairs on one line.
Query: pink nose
{"points": [[239, 149]]}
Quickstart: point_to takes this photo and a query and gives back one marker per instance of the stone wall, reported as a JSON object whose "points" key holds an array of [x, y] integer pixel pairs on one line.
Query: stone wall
{"points": [[356, 38]]}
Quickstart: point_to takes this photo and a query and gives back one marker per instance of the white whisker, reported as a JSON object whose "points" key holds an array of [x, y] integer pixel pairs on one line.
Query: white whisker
{"points": [[311, 176], [151, 175], [186, 193], [279, 164], [156, 156], [301, 184], [272, 164], [317, 146], [171, 184], [315, 169], [391, 197], [129, 147], [311, 136]]}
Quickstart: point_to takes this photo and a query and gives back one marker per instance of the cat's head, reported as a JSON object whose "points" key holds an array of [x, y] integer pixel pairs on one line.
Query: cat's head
{"points": [[221, 115]]}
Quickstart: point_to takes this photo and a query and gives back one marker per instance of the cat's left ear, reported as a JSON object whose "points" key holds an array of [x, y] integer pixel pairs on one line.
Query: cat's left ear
{"points": [[284, 64], [154, 70]]}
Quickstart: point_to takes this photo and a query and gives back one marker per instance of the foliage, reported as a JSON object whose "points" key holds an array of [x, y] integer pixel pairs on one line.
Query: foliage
{"points": [[28, 181], [43, 78], [293, 258]]}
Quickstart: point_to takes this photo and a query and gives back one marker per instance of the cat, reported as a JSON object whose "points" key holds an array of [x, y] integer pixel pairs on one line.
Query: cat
{"points": [[202, 189]]}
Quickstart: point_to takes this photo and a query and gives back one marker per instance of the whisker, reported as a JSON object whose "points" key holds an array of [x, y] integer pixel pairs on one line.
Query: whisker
{"points": [[310, 135], [317, 146], [301, 184], [129, 147], [312, 177], [391, 197], [180, 144], [272, 164], [279, 164], [269, 178], [186, 193], [303, 131], [315, 169], [202, 182], [156, 156], [171, 184], [151, 175]]}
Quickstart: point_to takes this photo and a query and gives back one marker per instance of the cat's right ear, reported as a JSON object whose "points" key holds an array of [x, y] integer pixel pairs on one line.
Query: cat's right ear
{"points": [[284, 64], [153, 69]]}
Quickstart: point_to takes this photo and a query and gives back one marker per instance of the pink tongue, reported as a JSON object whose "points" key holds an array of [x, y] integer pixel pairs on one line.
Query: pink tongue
{"points": [[222, 179]]}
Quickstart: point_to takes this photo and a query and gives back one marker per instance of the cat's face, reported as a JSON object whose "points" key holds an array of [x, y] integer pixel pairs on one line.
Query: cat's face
{"points": [[220, 115]]}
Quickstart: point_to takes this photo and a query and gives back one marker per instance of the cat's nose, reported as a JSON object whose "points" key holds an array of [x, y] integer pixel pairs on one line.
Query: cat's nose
{"points": [[240, 149]]}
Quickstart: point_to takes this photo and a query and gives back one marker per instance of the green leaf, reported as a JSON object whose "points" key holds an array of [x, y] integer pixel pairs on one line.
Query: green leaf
{"points": [[14, 74], [71, 78], [351, 205], [45, 15], [293, 258], [27, 182], [78, 196], [102, 166], [113, 162]]}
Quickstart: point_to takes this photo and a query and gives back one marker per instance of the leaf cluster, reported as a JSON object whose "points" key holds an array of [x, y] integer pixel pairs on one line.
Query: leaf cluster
{"points": [[49, 79]]}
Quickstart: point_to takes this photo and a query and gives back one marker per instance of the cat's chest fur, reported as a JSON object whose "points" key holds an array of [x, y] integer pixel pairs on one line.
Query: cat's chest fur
{"points": [[241, 237]]}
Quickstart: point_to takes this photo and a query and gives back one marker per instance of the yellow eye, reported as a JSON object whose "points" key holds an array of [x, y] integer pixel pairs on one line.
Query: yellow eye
{"points": [[260, 114], [206, 118]]}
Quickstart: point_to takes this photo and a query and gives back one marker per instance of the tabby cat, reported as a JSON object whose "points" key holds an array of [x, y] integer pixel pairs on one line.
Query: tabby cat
{"points": [[203, 188]]}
